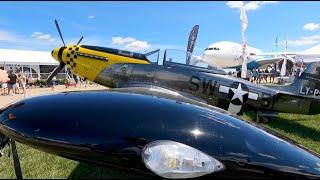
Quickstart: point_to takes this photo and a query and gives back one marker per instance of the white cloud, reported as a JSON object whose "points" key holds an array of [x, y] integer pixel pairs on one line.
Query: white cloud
{"points": [[7, 36], [301, 42], [131, 43], [305, 40], [91, 17], [17, 41], [235, 4], [121, 41], [314, 37], [250, 6], [310, 26], [138, 45], [42, 36]]}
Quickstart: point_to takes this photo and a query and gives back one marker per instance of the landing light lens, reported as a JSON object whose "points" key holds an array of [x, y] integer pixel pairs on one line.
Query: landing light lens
{"points": [[174, 160]]}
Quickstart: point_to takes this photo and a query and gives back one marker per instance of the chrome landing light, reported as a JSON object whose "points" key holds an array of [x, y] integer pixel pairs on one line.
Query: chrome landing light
{"points": [[175, 160]]}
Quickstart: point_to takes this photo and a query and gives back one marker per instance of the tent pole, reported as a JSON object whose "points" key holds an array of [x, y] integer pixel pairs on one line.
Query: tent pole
{"points": [[30, 71]]}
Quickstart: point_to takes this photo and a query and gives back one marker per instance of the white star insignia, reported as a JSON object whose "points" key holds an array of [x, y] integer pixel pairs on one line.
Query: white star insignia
{"points": [[238, 93]]}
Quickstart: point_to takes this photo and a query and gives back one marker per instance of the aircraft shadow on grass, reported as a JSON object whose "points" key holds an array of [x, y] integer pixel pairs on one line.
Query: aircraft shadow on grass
{"points": [[291, 126], [89, 171]]}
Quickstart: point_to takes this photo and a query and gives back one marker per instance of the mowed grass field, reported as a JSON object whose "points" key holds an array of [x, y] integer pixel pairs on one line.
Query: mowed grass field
{"points": [[304, 129]]}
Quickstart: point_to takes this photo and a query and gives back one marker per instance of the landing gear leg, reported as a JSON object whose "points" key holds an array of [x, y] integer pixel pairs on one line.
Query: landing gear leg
{"points": [[16, 161], [258, 117], [12, 146]]}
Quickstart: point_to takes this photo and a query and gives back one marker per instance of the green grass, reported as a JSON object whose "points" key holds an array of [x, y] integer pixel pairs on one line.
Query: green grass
{"points": [[41, 165], [303, 129]]}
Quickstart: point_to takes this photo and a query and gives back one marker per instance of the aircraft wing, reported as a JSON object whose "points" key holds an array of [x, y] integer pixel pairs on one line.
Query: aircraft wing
{"points": [[276, 53], [265, 61], [302, 54], [260, 62], [307, 104]]}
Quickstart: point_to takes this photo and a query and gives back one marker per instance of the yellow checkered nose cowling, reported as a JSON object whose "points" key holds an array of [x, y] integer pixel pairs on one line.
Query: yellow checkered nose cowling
{"points": [[70, 56], [66, 54], [54, 53]]}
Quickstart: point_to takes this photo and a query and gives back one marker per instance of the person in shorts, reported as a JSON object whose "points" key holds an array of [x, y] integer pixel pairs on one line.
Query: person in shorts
{"points": [[12, 83], [4, 87]]}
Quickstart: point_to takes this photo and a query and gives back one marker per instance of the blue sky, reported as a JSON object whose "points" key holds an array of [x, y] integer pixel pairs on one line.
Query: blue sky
{"points": [[144, 26]]}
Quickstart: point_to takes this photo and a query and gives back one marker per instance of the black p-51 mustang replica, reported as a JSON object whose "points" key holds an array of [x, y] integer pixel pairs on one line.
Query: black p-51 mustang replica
{"points": [[161, 121]]}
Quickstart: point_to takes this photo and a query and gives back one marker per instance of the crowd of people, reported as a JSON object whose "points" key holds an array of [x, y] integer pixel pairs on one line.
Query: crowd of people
{"points": [[17, 83], [13, 83], [267, 75], [257, 75]]}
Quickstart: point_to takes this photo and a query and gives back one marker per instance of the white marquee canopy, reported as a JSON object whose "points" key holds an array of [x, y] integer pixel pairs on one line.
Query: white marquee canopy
{"points": [[26, 57]]}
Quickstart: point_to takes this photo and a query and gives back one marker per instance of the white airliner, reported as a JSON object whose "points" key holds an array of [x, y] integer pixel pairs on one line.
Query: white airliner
{"points": [[226, 54]]}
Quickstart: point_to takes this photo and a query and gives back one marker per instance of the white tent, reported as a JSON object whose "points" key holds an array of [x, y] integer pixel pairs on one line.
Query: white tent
{"points": [[25, 59]]}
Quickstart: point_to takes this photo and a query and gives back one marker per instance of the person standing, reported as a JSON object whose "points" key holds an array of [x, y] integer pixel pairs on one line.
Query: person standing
{"points": [[255, 75], [259, 75], [266, 75], [12, 83], [3, 80], [3, 88], [298, 73], [238, 73], [22, 81], [53, 82], [17, 86], [273, 75]]}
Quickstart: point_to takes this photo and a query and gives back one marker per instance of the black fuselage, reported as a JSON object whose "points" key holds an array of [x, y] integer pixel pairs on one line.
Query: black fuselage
{"points": [[111, 128]]}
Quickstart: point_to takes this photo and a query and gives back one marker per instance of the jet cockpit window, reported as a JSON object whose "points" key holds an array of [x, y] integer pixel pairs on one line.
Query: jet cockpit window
{"points": [[214, 48]]}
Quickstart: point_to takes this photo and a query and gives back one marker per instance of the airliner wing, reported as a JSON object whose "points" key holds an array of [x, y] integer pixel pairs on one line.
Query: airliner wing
{"points": [[260, 62], [277, 53], [304, 54], [264, 61]]}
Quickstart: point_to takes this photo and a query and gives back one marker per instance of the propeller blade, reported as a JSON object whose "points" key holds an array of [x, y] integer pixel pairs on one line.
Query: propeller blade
{"points": [[80, 40], [55, 71], [58, 28]]}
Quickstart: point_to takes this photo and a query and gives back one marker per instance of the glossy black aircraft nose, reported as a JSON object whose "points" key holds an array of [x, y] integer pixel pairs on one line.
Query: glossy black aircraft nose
{"points": [[111, 128]]}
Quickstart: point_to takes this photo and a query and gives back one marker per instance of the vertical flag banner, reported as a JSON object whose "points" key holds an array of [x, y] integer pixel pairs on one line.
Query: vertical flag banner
{"points": [[191, 42]]}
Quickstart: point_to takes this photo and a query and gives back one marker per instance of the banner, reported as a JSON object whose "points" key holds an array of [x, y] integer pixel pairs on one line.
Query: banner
{"points": [[191, 42]]}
